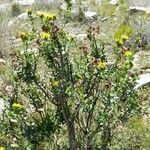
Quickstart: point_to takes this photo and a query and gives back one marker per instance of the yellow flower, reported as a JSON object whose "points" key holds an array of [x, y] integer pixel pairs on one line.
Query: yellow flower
{"points": [[17, 106], [46, 15], [2, 148], [23, 35], [40, 14], [119, 42], [29, 11], [44, 35], [128, 53], [101, 65], [55, 83], [50, 16], [26, 35], [124, 37]]}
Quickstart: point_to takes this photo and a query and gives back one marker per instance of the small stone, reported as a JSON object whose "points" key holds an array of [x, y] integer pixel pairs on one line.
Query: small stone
{"points": [[63, 6], [25, 2], [148, 10], [141, 60], [137, 9], [2, 105], [32, 50], [104, 19], [82, 36], [5, 7], [23, 16], [91, 15], [2, 61], [9, 89], [144, 79], [13, 120], [11, 23], [113, 2]]}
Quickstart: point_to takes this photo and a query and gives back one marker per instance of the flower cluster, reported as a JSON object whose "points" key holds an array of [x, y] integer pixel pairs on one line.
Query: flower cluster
{"points": [[121, 40], [25, 36], [44, 35], [17, 106], [29, 11], [128, 54], [123, 34], [45, 15], [55, 83], [2, 148], [101, 65]]}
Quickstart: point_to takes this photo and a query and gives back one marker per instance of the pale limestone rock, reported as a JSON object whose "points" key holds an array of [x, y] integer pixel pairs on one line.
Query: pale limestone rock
{"points": [[2, 105], [2, 61], [5, 7], [91, 15], [141, 60], [24, 2], [82, 36], [114, 2], [23, 16], [144, 79], [136, 9]]}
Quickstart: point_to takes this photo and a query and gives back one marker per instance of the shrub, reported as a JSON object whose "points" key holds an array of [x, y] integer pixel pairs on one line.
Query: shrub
{"points": [[68, 99], [15, 9]]}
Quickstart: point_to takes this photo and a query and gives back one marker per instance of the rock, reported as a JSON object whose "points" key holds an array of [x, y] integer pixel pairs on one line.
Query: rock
{"points": [[137, 9], [52, 2], [91, 15], [144, 79], [25, 2], [73, 1], [23, 16], [48, 1], [9, 89], [141, 3], [98, 2], [82, 36], [63, 6], [2, 61], [104, 19], [2, 105], [11, 23], [5, 7], [74, 14], [147, 71], [141, 60], [16, 43], [32, 50], [113, 2]]}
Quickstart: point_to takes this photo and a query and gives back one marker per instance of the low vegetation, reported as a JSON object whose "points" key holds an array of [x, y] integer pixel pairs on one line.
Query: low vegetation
{"points": [[64, 94]]}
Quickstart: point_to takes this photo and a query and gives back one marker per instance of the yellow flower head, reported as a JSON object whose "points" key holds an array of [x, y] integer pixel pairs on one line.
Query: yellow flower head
{"points": [[2, 148], [50, 16], [119, 41], [128, 54], [124, 37], [44, 35], [29, 11], [46, 15], [23, 35], [101, 65], [17, 106], [40, 14], [55, 83]]}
